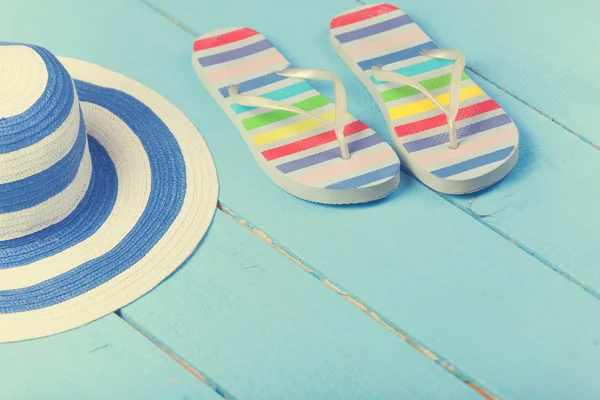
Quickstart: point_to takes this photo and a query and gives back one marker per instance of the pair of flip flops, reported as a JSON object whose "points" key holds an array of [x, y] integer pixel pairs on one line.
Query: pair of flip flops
{"points": [[449, 133]]}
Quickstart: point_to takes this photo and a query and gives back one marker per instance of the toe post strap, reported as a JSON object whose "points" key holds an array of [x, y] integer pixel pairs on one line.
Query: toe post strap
{"points": [[452, 110], [310, 74]]}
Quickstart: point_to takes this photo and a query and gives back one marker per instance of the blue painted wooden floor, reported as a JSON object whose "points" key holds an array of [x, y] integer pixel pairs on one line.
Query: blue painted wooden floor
{"points": [[420, 296]]}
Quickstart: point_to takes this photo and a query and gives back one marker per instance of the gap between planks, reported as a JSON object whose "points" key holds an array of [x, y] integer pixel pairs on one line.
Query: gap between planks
{"points": [[174, 20], [355, 301], [534, 108], [202, 377], [482, 219]]}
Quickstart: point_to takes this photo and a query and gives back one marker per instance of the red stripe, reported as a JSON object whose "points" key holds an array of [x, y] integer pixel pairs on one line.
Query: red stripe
{"points": [[361, 15], [226, 38], [440, 120], [313, 141]]}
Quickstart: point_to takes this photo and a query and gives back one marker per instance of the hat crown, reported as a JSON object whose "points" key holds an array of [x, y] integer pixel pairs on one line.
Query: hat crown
{"points": [[44, 162]]}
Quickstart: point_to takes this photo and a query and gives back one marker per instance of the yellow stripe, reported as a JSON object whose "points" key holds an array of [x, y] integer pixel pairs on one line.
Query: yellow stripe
{"points": [[406, 110], [290, 130]]}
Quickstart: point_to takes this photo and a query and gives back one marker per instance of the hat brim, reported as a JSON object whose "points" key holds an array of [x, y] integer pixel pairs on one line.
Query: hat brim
{"points": [[151, 197]]}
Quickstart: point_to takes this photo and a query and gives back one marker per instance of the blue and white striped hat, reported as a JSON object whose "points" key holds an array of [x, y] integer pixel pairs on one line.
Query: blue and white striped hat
{"points": [[105, 189]]}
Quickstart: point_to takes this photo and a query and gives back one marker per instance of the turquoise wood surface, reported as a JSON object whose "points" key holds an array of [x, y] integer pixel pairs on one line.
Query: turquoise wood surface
{"points": [[464, 278], [499, 288], [259, 327], [107, 359]]}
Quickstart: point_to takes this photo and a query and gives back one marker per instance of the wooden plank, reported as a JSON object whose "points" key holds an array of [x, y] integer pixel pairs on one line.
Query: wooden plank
{"points": [[459, 288], [261, 327], [542, 51], [106, 359]]}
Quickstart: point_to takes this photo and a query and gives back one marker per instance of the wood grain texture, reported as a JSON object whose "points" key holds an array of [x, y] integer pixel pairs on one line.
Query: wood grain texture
{"points": [[251, 320], [106, 359], [423, 264]]}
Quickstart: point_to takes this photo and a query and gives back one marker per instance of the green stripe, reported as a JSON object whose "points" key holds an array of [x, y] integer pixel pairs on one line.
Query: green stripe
{"points": [[429, 84], [271, 117]]}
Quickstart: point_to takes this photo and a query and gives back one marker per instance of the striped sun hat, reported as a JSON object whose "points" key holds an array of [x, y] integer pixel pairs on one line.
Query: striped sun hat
{"points": [[105, 189]]}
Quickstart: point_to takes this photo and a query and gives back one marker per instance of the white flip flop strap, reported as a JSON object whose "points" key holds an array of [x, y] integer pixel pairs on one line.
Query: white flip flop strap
{"points": [[305, 73], [452, 111]]}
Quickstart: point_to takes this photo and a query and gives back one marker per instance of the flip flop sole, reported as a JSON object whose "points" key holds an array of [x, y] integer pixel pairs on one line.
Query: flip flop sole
{"points": [[488, 139], [300, 155]]}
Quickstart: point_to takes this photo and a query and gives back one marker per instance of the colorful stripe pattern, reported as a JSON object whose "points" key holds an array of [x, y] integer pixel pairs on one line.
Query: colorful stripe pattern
{"points": [[384, 35], [303, 149]]}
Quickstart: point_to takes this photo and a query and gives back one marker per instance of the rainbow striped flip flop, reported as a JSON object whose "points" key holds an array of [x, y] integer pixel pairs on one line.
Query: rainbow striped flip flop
{"points": [[306, 144], [451, 134]]}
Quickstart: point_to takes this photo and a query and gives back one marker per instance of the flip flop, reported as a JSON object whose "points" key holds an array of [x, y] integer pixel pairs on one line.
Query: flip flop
{"points": [[307, 145], [448, 132]]}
